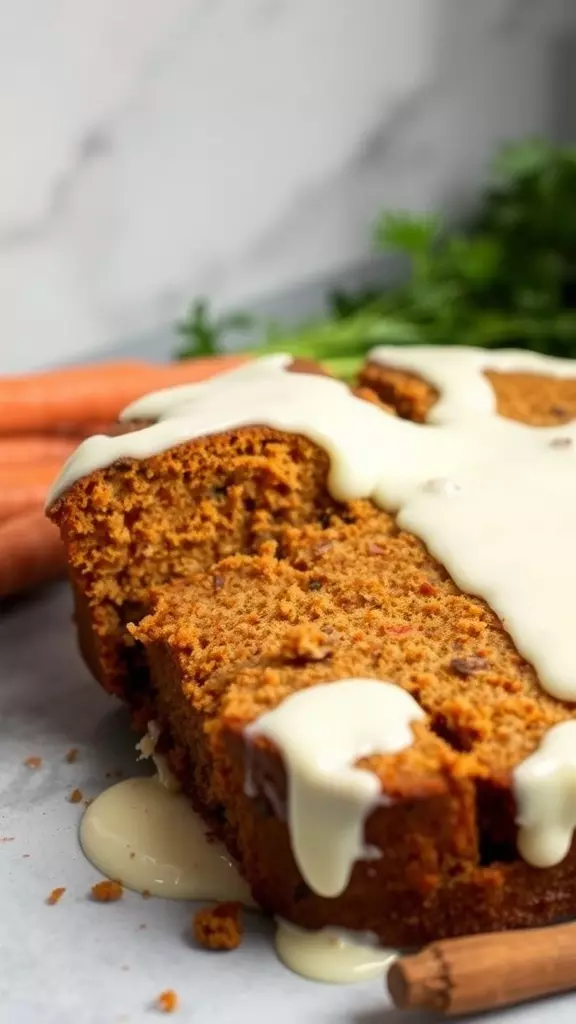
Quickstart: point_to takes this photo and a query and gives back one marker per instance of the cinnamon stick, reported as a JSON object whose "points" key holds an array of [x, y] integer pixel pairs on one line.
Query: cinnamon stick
{"points": [[484, 972]]}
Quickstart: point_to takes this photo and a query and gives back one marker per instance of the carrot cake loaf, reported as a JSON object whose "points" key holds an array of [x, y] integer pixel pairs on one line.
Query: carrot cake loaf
{"points": [[376, 710]]}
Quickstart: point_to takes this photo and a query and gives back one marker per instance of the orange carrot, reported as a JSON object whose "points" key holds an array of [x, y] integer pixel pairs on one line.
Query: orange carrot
{"points": [[24, 487], [50, 400], [31, 552], [76, 432], [21, 451]]}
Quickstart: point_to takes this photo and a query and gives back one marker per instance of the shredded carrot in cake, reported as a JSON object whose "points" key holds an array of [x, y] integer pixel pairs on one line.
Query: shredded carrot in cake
{"points": [[107, 891]]}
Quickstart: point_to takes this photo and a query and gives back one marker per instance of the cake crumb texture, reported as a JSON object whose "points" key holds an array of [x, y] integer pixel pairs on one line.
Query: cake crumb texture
{"points": [[33, 762], [167, 1001], [55, 896], [219, 927], [107, 891]]}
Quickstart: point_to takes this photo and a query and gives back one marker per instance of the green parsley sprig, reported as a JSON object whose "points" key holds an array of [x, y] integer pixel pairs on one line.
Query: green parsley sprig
{"points": [[509, 280]]}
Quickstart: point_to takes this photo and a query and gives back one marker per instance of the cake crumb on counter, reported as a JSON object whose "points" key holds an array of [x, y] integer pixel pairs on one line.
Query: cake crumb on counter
{"points": [[72, 755], [167, 1001], [107, 891], [219, 927], [75, 797], [33, 762], [55, 896]]}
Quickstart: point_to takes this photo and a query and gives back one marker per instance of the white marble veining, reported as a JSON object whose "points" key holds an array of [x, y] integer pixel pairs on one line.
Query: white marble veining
{"points": [[235, 148]]}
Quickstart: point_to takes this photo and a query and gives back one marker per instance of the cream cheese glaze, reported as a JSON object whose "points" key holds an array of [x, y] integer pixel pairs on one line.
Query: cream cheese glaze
{"points": [[321, 733], [143, 832], [261, 393], [545, 791], [147, 836], [330, 955]]}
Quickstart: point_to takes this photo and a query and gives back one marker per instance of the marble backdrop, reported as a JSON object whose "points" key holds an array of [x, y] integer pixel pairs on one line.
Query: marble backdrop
{"points": [[153, 151]]}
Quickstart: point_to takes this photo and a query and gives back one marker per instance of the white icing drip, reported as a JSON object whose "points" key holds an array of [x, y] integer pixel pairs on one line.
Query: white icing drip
{"points": [[147, 748], [457, 374], [545, 791], [330, 955], [140, 833], [545, 794], [321, 732]]}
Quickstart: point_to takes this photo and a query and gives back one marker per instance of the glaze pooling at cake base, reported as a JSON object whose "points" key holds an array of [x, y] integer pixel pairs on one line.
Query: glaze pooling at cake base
{"points": [[147, 837], [330, 955]]}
